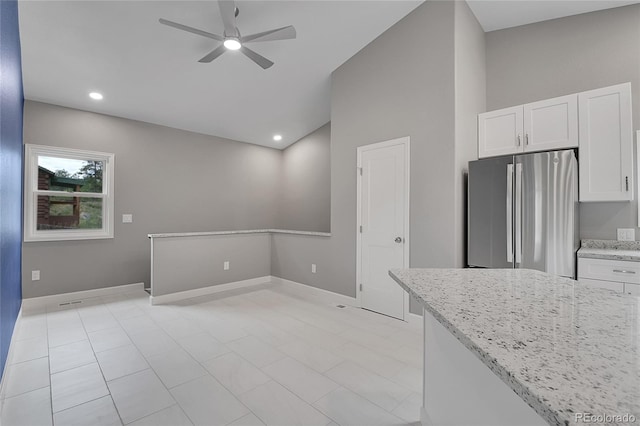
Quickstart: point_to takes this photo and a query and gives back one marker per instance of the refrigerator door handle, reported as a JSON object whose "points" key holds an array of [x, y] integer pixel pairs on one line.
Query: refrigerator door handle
{"points": [[510, 213], [518, 203]]}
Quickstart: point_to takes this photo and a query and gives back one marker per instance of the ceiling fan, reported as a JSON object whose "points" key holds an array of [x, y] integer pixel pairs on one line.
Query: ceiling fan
{"points": [[231, 38]]}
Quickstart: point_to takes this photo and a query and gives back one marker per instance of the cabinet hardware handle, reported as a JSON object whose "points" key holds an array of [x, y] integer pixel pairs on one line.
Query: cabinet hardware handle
{"points": [[518, 140], [526, 138], [626, 182], [623, 271]]}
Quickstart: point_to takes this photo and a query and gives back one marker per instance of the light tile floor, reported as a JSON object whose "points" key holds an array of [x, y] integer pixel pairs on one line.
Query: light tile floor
{"points": [[258, 356]]}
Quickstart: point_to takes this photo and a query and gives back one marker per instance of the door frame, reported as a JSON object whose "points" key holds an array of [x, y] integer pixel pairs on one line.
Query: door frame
{"points": [[406, 142]]}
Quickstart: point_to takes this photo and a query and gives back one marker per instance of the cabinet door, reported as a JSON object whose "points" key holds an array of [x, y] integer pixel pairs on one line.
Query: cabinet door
{"points": [[606, 144], [621, 271], [609, 285], [500, 132], [551, 124]]}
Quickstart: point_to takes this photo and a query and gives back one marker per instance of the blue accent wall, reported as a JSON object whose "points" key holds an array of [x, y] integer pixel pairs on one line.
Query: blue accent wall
{"points": [[11, 102]]}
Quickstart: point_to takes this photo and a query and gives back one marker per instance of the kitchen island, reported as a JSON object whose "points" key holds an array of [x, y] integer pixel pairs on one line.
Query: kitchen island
{"points": [[506, 346]]}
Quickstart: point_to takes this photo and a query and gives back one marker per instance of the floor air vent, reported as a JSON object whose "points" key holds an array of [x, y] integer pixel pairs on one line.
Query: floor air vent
{"points": [[73, 302]]}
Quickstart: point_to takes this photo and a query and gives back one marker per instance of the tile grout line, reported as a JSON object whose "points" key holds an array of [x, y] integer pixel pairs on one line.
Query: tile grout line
{"points": [[101, 373], [273, 326], [105, 382]]}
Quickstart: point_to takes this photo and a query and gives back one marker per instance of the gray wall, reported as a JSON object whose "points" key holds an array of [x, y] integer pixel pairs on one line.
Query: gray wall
{"points": [[305, 192], [188, 263], [570, 55], [384, 93], [170, 180], [470, 96]]}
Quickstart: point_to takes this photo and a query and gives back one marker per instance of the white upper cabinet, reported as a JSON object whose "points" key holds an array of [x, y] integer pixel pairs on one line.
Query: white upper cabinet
{"points": [[606, 144], [551, 124], [500, 132], [538, 126]]}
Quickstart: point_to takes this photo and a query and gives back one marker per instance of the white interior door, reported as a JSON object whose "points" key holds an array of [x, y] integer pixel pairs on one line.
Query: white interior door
{"points": [[383, 209]]}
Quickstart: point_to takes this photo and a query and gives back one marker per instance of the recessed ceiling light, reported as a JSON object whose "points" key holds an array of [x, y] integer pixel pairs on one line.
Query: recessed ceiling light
{"points": [[96, 96], [277, 138], [232, 43]]}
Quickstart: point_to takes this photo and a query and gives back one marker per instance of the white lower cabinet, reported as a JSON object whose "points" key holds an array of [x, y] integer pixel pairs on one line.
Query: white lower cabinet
{"points": [[609, 285], [617, 275]]}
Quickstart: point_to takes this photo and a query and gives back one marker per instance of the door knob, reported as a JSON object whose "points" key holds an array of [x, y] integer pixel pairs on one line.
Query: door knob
{"points": [[398, 240]]}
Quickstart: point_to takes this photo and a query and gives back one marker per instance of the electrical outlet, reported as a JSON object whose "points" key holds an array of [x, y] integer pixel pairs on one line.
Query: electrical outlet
{"points": [[313, 268], [626, 234], [127, 218], [226, 265], [35, 275]]}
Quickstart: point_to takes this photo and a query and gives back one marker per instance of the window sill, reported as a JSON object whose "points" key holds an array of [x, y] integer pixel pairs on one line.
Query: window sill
{"points": [[69, 236]]}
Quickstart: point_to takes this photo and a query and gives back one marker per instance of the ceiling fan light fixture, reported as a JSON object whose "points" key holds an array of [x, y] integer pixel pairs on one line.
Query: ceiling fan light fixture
{"points": [[232, 43]]}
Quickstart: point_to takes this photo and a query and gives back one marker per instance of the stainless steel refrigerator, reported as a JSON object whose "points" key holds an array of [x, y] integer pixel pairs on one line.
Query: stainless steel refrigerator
{"points": [[523, 212]]}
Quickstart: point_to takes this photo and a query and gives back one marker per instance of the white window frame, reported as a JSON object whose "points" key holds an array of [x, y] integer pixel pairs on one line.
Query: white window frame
{"points": [[31, 192]]}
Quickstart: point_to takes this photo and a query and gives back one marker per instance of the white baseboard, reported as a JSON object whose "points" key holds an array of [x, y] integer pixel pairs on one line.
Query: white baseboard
{"points": [[326, 295], [55, 299], [188, 294], [9, 360]]}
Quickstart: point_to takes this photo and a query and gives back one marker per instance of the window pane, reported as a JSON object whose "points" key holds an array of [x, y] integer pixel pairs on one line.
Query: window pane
{"points": [[57, 213], [64, 174]]}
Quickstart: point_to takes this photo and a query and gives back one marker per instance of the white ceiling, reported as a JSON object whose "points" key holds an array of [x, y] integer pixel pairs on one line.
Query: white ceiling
{"points": [[150, 72], [500, 14]]}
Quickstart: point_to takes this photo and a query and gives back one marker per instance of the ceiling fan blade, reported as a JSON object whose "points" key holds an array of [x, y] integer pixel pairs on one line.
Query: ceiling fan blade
{"points": [[191, 29], [213, 54], [228, 14], [257, 58], [283, 33]]}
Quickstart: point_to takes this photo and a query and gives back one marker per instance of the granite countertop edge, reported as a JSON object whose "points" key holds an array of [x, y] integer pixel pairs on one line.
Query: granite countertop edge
{"points": [[610, 250], [518, 387], [242, 231], [609, 254]]}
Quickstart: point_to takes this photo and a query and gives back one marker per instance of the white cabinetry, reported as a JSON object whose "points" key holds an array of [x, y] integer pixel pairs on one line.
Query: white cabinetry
{"points": [[609, 285], [617, 275], [606, 144], [551, 124], [500, 132], [538, 126]]}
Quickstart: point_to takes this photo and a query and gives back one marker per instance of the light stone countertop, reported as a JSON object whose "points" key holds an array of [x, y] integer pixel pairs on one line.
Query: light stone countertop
{"points": [[563, 347], [245, 231], [610, 250]]}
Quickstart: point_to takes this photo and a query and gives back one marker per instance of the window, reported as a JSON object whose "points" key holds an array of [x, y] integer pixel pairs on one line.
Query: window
{"points": [[68, 194]]}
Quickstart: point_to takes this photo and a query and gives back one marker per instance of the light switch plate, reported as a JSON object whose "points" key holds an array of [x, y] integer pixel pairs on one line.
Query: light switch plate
{"points": [[313, 268], [226, 265], [35, 275], [127, 218], [626, 234]]}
